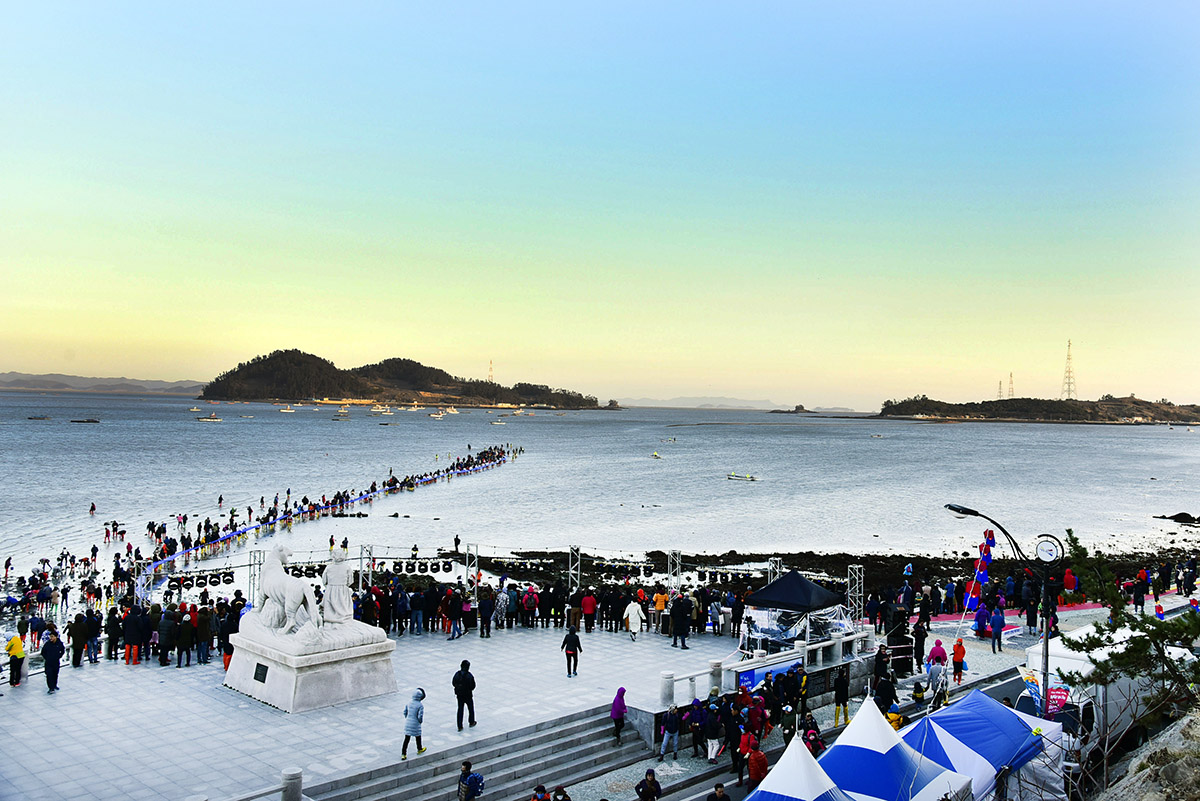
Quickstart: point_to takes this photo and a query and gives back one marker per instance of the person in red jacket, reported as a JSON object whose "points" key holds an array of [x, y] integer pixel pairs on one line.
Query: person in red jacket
{"points": [[588, 605], [746, 747], [757, 766]]}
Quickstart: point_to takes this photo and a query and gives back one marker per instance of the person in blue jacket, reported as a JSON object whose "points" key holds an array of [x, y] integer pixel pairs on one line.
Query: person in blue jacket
{"points": [[414, 716], [997, 630]]}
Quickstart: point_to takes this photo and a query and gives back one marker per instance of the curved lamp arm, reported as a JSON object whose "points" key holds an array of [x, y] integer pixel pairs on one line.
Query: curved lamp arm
{"points": [[963, 511]]}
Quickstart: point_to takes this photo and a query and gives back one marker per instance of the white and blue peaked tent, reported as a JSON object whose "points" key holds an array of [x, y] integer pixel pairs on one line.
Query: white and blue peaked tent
{"points": [[982, 738], [797, 777], [870, 762]]}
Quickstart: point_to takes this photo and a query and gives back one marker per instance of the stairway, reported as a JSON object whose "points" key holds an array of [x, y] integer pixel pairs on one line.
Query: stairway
{"points": [[563, 751]]}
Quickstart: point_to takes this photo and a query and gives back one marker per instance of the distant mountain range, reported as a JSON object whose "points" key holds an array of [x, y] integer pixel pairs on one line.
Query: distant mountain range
{"points": [[121, 386], [699, 403]]}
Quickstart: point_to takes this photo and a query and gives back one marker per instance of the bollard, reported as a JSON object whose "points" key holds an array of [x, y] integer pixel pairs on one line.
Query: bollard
{"points": [[292, 784], [692, 687], [666, 690], [716, 674]]}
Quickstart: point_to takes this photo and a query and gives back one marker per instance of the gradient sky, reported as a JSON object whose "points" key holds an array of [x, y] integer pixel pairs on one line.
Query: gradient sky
{"points": [[828, 204]]}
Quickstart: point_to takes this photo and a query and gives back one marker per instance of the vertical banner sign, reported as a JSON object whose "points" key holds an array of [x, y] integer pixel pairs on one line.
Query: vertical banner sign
{"points": [[1033, 682], [1056, 698]]}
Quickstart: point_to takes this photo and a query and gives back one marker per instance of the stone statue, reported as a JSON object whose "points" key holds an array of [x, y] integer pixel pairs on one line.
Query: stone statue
{"points": [[281, 596], [337, 603]]}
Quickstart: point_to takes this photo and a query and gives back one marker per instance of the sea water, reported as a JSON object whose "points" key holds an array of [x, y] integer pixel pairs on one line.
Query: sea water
{"points": [[586, 478]]}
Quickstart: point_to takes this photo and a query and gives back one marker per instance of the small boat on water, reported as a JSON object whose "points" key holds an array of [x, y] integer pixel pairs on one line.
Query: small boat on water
{"points": [[343, 410], [655, 455], [437, 415], [499, 423], [194, 409], [378, 408], [246, 416], [88, 420], [287, 410], [211, 418], [38, 417], [740, 477], [451, 410], [387, 413]]}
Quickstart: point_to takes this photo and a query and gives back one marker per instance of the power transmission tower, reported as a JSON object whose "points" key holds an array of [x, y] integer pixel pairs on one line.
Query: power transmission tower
{"points": [[1010, 388], [491, 373], [999, 390], [1068, 388]]}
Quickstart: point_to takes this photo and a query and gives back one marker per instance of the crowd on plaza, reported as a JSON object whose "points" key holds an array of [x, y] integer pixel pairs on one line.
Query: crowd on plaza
{"points": [[64, 608]]}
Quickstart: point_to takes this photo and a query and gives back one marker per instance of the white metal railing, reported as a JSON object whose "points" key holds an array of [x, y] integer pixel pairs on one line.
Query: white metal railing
{"points": [[290, 788], [811, 655]]}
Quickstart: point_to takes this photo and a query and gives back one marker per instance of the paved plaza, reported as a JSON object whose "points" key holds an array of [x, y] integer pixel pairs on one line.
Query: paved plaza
{"points": [[160, 733]]}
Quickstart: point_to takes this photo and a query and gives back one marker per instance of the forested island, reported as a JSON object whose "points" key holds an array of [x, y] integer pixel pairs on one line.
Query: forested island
{"points": [[292, 375], [1107, 409]]}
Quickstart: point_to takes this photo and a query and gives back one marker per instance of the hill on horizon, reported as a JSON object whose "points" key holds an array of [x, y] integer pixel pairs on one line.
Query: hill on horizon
{"points": [[293, 375], [1107, 409]]}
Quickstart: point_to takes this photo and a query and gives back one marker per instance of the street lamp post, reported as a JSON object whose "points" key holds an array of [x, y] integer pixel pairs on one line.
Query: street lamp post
{"points": [[1049, 553]]}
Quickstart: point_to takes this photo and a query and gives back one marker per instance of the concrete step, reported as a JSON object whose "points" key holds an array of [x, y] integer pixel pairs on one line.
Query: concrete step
{"points": [[516, 782], [496, 759], [585, 723]]}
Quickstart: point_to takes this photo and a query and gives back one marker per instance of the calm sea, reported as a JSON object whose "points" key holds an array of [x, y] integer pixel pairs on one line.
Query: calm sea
{"points": [[588, 478]]}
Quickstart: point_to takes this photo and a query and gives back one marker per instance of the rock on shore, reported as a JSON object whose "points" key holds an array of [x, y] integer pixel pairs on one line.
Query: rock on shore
{"points": [[1168, 767]]}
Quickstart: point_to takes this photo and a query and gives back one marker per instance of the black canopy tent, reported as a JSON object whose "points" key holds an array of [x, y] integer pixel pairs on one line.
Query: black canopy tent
{"points": [[794, 593]]}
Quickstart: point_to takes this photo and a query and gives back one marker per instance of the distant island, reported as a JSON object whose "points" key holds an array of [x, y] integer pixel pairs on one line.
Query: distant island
{"points": [[292, 375], [1107, 409], [798, 410], [57, 382]]}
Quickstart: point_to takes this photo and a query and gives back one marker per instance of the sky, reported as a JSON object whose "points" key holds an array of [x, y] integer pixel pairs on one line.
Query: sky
{"points": [[817, 203]]}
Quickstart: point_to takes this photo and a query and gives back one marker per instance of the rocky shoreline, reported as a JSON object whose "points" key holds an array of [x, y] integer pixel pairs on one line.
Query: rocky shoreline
{"points": [[739, 569]]}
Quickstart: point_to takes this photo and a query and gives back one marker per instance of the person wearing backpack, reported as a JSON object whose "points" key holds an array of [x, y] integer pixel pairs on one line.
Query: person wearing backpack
{"points": [[464, 689], [470, 784], [529, 605]]}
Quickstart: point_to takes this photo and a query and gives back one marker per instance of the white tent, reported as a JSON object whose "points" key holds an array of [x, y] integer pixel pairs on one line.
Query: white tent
{"points": [[870, 762], [797, 777]]}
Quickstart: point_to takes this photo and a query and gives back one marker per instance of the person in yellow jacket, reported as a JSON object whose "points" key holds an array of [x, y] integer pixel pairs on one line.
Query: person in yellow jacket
{"points": [[16, 658], [660, 604]]}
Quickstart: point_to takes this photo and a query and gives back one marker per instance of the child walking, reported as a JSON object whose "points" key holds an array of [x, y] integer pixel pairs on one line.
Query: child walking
{"points": [[414, 716]]}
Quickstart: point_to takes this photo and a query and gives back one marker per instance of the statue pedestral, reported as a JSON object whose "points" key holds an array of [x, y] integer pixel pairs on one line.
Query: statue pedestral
{"points": [[312, 667]]}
